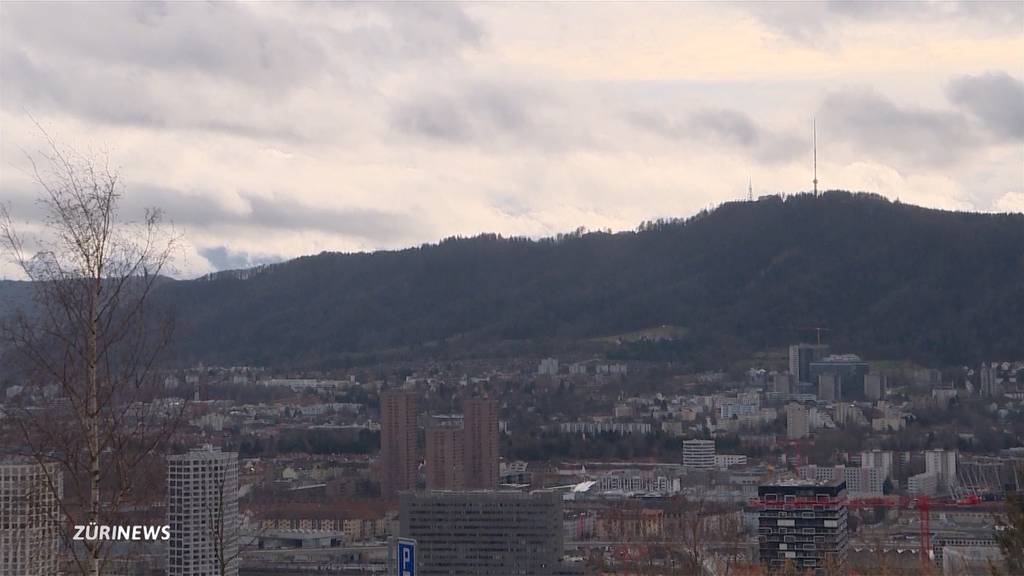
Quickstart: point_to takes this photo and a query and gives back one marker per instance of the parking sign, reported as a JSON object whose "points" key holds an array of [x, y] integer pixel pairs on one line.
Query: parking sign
{"points": [[406, 557]]}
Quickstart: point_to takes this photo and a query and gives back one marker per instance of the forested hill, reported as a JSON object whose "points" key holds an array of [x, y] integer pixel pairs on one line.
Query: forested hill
{"points": [[889, 280]]}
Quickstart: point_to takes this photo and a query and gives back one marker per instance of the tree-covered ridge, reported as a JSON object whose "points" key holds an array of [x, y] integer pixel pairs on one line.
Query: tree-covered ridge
{"points": [[890, 280]]}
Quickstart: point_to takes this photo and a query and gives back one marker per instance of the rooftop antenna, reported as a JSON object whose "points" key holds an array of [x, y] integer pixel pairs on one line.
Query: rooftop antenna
{"points": [[814, 132]]}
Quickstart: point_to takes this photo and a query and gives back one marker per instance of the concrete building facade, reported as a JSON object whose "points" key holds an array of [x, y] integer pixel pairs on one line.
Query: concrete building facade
{"points": [[202, 512], [30, 518], [471, 533]]}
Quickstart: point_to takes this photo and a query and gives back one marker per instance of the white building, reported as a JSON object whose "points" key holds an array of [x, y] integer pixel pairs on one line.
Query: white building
{"points": [[860, 482], [605, 427], [798, 422], [942, 463], [877, 459], [925, 483], [548, 367], [699, 454], [723, 461], [202, 511], [30, 519]]}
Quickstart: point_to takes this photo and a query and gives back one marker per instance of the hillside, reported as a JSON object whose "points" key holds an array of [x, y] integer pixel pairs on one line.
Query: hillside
{"points": [[889, 280]]}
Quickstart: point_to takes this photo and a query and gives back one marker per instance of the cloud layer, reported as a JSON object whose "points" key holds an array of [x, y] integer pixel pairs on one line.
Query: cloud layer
{"points": [[270, 130]]}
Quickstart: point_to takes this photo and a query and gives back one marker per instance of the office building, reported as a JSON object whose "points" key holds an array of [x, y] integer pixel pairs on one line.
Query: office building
{"points": [[398, 454], [481, 443], [798, 421], [445, 458], [202, 512], [848, 369], [800, 358], [493, 532], [802, 526], [30, 518], [699, 454]]}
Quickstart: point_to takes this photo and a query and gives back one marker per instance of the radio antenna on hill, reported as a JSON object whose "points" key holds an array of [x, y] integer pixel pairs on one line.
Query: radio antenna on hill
{"points": [[750, 190], [814, 139]]}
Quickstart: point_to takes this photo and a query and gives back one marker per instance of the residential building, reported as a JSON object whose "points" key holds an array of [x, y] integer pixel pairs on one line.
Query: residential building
{"points": [[942, 463], [481, 443], [444, 463], [860, 482], [30, 519], [882, 459], [699, 454], [802, 525], [398, 453], [202, 512], [798, 422], [484, 532], [723, 461], [548, 367], [925, 484]]}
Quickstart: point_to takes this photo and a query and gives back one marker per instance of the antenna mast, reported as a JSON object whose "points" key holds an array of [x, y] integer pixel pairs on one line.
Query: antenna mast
{"points": [[750, 190], [814, 132]]}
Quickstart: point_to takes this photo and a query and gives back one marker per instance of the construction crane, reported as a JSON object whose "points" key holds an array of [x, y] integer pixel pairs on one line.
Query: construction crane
{"points": [[817, 330]]}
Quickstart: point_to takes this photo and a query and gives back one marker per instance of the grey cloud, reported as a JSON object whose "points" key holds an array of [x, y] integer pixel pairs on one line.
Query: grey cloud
{"points": [[877, 127], [223, 258], [201, 210], [724, 127], [219, 67], [493, 115], [995, 98], [821, 22]]}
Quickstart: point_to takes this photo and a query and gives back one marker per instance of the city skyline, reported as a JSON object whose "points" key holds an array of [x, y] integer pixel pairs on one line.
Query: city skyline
{"points": [[286, 130]]}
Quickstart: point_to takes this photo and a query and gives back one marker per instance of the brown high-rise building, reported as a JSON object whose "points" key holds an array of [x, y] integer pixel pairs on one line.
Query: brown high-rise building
{"points": [[445, 458], [399, 459], [481, 443]]}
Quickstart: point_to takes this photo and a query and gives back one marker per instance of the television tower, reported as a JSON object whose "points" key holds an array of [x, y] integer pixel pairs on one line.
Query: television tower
{"points": [[750, 190], [814, 138]]}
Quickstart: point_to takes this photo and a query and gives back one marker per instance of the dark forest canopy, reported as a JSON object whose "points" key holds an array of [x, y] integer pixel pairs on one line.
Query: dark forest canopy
{"points": [[890, 281]]}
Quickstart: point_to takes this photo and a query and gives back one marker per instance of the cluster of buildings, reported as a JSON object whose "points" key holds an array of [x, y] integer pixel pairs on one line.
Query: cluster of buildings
{"points": [[325, 473]]}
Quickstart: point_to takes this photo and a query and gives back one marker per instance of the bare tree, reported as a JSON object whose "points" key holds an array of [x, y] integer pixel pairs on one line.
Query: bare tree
{"points": [[90, 342]]}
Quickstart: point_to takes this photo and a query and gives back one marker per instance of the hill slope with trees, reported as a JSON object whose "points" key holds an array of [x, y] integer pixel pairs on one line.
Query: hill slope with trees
{"points": [[889, 280]]}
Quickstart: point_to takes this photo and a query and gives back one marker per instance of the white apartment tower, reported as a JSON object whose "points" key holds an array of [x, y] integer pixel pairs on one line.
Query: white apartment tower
{"points": [[29, 519], [942, 463], [202, 511], [699, 454]]}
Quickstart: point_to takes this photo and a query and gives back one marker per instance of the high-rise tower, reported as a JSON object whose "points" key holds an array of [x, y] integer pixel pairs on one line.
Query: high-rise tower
{"points": [[481, 443], [202, 512], [398, 454]]}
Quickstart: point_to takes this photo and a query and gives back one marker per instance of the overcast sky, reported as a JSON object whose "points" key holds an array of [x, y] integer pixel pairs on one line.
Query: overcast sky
{"points": [[272, 130]]}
